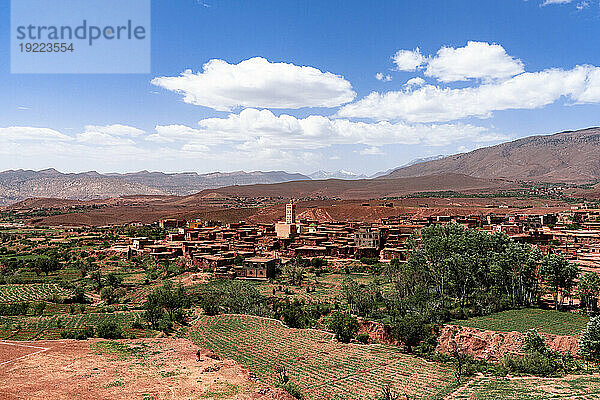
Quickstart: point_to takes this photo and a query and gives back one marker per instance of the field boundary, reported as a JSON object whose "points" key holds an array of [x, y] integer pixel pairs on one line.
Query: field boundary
{"points": [[42, 349]]}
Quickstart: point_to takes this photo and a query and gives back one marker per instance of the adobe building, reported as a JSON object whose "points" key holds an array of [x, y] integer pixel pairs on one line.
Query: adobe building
{"points": [[260, 268]]}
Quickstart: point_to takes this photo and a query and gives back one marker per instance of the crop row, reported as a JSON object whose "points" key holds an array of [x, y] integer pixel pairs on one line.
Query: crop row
{"points": [[50, 326], [323, 368], [31, 292]]}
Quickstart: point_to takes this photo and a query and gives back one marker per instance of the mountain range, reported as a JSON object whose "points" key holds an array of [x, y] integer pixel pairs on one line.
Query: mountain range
{"points": [[565, 157], [17, 185]]}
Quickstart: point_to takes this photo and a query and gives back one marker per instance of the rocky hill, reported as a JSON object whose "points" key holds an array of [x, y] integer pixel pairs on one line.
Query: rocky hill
{"points": [[569, 157], [16, 185]]}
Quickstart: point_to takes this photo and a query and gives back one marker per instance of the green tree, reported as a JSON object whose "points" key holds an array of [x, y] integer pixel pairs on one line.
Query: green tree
{"points": [[46, 264], [588, 288], [295, 270], [589, 342], [409, 330], [344, 326], [559, 276]]}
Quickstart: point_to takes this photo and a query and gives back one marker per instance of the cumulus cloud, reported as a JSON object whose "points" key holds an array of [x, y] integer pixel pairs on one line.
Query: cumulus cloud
{"points": [[252, 129], [371, 151], [408, 60], [115, 130], [19, 133], [549, 2], [477, 60], [415, 82], [381, 77], [108, 135], [529, 90], [256, 82]]}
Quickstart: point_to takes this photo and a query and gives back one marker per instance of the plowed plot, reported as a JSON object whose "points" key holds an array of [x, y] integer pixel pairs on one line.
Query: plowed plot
{"points": [[12, 352], [127, 369], [323, 368]]}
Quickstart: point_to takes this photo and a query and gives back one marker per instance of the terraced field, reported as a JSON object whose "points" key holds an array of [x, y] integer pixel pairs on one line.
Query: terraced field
{"points": [[50, 326], [547, 321], [31, 292], [323, 368], [571, 387]]}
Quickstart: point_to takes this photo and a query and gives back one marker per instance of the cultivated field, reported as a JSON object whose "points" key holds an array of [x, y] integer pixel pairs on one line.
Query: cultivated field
{"points": [[31, 292], [547, 321], [50, 326], [323, 368], [527, 388]]}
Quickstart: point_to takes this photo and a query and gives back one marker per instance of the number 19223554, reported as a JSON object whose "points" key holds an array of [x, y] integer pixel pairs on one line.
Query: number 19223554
{"points": [[36, 47]]}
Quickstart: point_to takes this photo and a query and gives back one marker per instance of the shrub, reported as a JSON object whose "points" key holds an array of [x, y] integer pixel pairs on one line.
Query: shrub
{"points": [[363, 338], [109, 330], [410, 330], [534, 363], [589, 342], [14, 309], [292, 389], [344, 326], [79, 334]]}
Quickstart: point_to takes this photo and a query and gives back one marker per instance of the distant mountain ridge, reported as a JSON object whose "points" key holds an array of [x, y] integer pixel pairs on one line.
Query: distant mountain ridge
{"points": [[17, 185], [339, 174], [408, 164], [565, 157]]}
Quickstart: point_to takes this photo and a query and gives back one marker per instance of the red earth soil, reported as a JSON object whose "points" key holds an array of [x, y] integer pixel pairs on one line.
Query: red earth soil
{"points": [[164, 368], [492, 345]]}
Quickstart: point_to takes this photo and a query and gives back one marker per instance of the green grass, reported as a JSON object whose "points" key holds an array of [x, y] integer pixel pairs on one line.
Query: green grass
{"points": [[547, 321], [328, 289], [324, 369], [120, 350], [572, 387]]}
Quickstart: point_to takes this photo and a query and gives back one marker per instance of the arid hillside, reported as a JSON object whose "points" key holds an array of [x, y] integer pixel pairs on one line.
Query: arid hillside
{"points": [[367, 188], [17, 185], [570, 157]]}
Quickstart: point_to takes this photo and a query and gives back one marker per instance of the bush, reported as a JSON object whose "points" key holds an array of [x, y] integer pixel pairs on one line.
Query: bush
{"points": [[14, 309], [79, 334], [292, 389], [534, 363], [38, 308], [344, 326], [409, 330], [589, 342], [165, 324], [363, 338], [538, 359], [138, 325], [109, 330]]}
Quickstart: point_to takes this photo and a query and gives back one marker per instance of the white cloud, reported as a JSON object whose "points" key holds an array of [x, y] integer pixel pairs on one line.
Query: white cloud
{"points": [[415, 82], [108, 135], [115, 130], [549, 2], [101, 139], [256, 82], [371, 151], [19, 133], [477, 60], [408, 60], [431, 103], [253, 129], [381, 77]]}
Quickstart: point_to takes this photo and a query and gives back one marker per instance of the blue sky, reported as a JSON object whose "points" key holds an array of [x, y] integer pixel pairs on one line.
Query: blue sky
{"points": [[511, 68]]}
